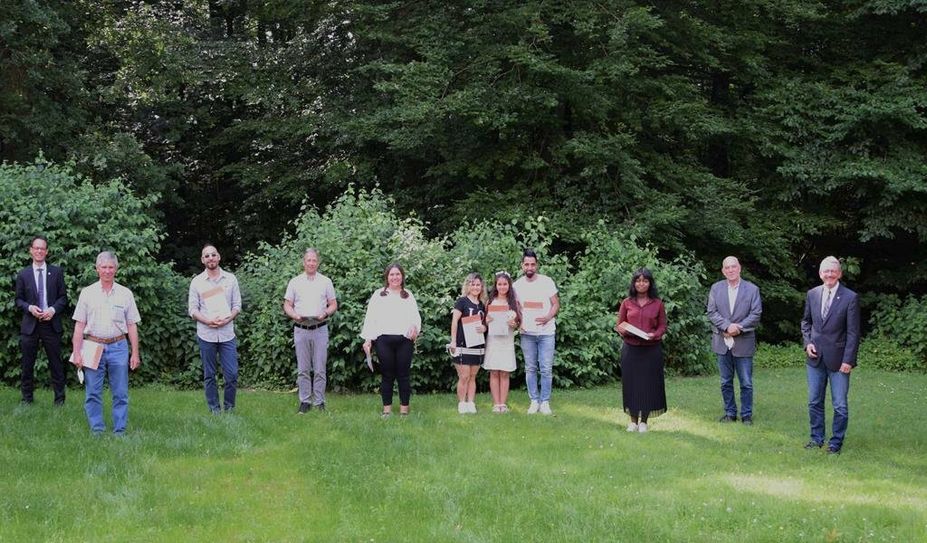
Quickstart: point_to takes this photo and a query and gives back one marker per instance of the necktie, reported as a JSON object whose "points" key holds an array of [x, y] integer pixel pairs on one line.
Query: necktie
{"points": [[827, 301], [41, 285]]}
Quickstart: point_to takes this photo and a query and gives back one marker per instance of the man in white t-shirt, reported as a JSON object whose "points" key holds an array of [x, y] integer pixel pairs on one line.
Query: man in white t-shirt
{"points": [[310, 301], [537, 296]]}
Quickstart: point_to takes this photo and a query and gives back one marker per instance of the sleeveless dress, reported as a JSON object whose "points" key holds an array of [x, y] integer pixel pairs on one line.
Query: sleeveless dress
{"points": [[500, 350]]}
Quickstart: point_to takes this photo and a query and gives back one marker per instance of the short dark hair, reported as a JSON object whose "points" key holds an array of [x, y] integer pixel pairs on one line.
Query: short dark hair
{"points": [[43, 238], [529, 253], [645, 273]]}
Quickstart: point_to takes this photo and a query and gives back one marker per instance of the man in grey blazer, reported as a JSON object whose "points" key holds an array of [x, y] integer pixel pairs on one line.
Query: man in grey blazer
{"points": [[830, 332], [734, 309]]}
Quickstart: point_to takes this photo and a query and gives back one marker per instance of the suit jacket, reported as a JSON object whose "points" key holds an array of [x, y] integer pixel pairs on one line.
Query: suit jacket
{"points": [[747, 310], [836, 338], [27, 293]]}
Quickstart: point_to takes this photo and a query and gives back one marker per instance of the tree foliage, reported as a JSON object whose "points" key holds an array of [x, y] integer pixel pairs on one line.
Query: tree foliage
{"points": [[777, 130]]}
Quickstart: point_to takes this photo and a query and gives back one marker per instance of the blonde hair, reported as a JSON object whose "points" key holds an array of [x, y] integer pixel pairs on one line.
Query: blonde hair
{"points": [[465, 287]]}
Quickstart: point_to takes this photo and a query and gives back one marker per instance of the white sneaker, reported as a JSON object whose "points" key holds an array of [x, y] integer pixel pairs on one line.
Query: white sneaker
{"points": [[632, 427], [471, 407], [545, 408], [533, 408], [462, 408], [642, 427]]}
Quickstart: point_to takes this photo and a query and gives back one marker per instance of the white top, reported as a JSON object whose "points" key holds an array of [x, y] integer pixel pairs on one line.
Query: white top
{"points": [[106, 315], [390, 315], [827, 296], [542, 289], [36, 271], [732, 295], [309, 297], [201, 284]]}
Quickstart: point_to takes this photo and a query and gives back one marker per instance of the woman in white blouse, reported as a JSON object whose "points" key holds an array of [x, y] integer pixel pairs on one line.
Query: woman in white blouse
{"points": [[390, 327]]}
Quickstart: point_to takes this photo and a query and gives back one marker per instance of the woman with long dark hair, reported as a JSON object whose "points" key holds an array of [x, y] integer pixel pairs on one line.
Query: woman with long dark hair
{"points": [[391, 325], [500, 339], [642, 324]]}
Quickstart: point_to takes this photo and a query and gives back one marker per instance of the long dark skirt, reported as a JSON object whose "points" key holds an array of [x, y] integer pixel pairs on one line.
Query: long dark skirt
{"points": [[643, 389]]}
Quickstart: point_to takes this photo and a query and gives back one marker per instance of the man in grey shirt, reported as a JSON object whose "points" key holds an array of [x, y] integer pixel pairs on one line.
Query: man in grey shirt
{"points": [[214, 301], [309, 301]]}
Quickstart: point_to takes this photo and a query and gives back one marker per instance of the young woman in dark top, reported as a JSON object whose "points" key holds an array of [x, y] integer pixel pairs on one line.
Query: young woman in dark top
{"points": [[471, 306], [642, 380]]}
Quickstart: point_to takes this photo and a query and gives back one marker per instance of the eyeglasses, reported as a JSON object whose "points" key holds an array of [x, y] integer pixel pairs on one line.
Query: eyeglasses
{"points": [[208, 255], [502, 274]]}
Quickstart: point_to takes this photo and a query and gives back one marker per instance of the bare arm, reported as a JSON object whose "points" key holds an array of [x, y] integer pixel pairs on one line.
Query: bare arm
{"points": [[135, 358]]}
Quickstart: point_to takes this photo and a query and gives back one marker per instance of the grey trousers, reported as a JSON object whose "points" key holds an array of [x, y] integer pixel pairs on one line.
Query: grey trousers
{"points": [[311, 354]]}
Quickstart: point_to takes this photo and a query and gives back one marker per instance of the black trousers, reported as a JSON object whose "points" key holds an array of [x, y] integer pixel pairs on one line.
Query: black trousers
{"points": [[45, 334], [395, 354]]}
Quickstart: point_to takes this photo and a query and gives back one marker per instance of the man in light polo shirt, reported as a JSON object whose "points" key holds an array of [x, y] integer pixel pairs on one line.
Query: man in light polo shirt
{"points": [[214, 301], [106, 315], [537, 296], [310, 301]]}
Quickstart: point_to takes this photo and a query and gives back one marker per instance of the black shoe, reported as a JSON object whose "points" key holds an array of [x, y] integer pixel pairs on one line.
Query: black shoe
{"points": [[813, 445], [748, 420], [728, 418], [25, 401], [833, 450], [304, 408], [321, 406]]}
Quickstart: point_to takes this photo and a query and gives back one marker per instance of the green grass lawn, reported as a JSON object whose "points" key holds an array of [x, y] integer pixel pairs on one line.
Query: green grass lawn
{"points": [[267, 474]]}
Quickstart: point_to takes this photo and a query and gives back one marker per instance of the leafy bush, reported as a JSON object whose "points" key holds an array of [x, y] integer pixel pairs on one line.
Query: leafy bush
{"points": [[80, 220], [905, 322], [360, 234], [589, 347], [874, 352]]}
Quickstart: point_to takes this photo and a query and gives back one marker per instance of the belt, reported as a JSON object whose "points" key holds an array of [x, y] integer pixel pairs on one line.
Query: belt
{"points": [[105, 341], [467, 350], [310, 326]]}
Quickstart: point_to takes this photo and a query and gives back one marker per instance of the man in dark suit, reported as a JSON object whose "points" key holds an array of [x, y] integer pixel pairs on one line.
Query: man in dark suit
{"points": [[830, 330], [734, 309], [41, 295]]}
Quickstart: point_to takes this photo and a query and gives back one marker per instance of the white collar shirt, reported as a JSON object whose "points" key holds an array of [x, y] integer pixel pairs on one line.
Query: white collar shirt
{"points": [[36, 271], [106, 314], [202, 284]]}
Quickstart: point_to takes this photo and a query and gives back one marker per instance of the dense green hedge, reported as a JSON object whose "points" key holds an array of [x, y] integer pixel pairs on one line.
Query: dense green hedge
{"points": [[874, 352], [360, 234], [903, 322], [80, 220], [357, 236]]}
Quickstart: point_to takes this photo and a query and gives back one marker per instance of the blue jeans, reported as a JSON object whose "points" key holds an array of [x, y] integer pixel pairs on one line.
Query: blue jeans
{"points": [[227, 352], [743, 365], [114, 363], [539, 356], [818, 376]]}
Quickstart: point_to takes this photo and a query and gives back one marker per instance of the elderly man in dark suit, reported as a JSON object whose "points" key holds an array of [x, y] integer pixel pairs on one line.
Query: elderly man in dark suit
{"points": [[830, 330], [41, 295], [734, 309]]}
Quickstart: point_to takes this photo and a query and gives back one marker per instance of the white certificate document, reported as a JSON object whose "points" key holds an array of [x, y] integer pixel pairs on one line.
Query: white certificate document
{"points": [[499, 325], [529, 312], [628, 327], [90, 352], [472, 338], [216, 304]]}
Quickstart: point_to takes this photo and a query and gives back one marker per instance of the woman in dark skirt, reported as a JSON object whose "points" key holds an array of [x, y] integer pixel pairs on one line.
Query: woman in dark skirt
{"points": [[642, 323]]}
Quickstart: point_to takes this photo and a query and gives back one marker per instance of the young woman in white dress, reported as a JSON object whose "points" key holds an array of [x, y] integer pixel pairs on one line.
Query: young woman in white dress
{"points": [[499, 359]]}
